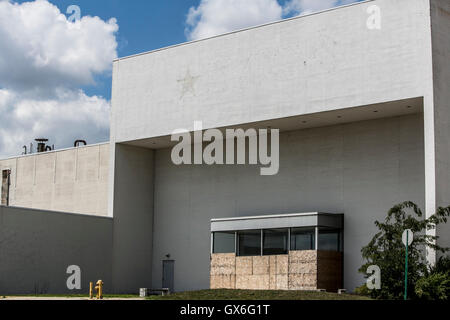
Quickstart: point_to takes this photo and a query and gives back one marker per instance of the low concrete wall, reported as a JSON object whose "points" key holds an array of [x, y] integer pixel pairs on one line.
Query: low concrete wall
{"points": [[73, 180], [299, 270], [36, 247]]}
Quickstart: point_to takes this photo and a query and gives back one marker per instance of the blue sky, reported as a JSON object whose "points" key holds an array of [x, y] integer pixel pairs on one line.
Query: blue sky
{"points": [[55, 75]]}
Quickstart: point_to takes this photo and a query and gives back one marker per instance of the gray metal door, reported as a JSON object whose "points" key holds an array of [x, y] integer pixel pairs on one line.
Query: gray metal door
{"points": [[168, 274]]}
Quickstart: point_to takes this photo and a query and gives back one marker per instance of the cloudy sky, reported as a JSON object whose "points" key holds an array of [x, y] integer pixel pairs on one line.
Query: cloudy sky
{"points": [[55, 69]]}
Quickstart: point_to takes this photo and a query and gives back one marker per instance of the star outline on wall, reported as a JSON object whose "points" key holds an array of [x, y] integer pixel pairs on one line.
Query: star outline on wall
{"points": [[188, 83]]}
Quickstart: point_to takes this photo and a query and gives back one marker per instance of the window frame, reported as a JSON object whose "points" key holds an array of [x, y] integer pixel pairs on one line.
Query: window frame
{"points": [[287, 230], [213, 241], [328, 230], [238, 242], [308, 230]]}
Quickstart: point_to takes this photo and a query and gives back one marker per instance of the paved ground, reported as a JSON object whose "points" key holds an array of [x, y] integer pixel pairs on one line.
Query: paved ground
{"points": [[61, 298]]}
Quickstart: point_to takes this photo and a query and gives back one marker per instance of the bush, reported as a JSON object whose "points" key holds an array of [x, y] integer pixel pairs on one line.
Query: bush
{"points": [[442, 265], [362, 291], [435, 286]]}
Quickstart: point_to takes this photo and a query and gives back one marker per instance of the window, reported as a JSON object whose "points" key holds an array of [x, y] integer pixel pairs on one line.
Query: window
{"points": [[329, 239], [303, 239], [275, 241], [249, 243], [223, 242], [4, 187]]}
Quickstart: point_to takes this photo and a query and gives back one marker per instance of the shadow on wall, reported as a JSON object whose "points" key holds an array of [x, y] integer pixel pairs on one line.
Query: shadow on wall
{"points": [[37, 247]]}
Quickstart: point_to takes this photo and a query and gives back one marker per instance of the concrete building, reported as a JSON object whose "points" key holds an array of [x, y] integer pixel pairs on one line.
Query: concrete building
{"points": [[363, 112], [72, 180]]}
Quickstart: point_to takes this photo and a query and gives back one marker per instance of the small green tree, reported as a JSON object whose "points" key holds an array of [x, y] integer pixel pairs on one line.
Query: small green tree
{"points": [[386, 249], [435, 285]]}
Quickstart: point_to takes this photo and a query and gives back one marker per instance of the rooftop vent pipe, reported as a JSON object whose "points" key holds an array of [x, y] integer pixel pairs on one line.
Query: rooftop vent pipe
{"points": [[41, 145], [78, 142]]}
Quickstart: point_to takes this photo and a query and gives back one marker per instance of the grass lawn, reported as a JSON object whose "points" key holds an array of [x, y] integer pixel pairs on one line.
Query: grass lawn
{"points": [[227, 294], [121, 296], [221, 294]]}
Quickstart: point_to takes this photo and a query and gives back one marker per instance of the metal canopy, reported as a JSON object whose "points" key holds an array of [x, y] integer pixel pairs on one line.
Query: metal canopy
{"points": [[295, 220]]}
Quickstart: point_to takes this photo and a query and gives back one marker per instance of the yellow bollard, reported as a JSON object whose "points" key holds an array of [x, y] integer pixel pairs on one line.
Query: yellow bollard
{"points": [[99, 289], [91, 290]]}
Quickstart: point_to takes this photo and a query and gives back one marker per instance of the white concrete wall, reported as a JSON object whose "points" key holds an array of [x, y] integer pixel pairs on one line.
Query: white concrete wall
{"points": [[440, 26], [73, 180], [133, 219], [360, 169], [324, 61], [37, 246]]}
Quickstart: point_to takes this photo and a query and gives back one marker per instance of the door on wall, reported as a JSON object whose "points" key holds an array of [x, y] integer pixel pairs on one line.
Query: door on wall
{"points": [[5, 187], [168, 274]]}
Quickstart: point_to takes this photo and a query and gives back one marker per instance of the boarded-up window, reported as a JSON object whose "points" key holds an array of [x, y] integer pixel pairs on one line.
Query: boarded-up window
{"points": [[5, 187]]}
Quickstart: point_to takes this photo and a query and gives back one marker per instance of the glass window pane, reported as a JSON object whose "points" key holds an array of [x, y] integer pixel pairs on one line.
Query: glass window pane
{"points": [[303, 239], [223, 242], [329, 240], [249, 243], [275, 241]]}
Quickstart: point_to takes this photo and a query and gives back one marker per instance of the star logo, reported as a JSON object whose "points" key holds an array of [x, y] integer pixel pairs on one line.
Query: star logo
{"points": [[188, 83]]}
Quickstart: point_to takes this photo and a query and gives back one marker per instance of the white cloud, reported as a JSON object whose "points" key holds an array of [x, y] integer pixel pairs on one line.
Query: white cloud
{"points": [[44, 59], [296, 7], [307, 6], [68, 116], [39, 47], [213, 17]]}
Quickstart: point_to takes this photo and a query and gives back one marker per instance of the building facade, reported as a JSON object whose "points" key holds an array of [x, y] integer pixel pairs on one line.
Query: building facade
{"points": [[364, 118]]}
